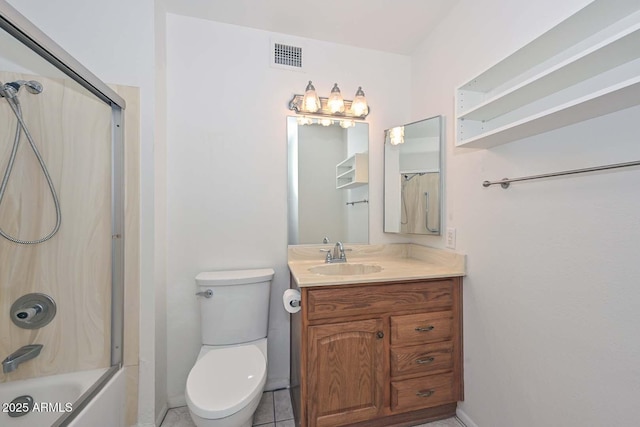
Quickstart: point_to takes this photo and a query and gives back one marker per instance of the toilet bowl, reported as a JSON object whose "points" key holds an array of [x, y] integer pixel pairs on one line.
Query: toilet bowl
{"points": [[225, 385]]}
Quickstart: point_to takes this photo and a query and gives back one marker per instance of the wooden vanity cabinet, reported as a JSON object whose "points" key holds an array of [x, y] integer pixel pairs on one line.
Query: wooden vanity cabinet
{"points": [[380, 354]]}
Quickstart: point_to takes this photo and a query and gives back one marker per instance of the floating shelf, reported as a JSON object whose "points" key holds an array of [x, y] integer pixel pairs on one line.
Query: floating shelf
{"points": [[353, 171], [586, 66]]}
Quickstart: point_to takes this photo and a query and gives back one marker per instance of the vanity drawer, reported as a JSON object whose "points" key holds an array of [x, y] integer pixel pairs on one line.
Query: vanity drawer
{"points": [[332, 301], [421, 358], [421, 328], [423, 392]]}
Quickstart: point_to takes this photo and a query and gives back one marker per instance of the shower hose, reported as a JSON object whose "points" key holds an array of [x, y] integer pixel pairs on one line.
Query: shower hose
{"points": [[22, 126]]}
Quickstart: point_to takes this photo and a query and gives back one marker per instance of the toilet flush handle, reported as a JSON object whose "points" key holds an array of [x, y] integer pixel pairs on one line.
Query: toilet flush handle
{"points": [[207, 294]]}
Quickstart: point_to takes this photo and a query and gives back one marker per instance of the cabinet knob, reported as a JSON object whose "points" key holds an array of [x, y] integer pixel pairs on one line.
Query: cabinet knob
{"points": [[425, 328], [380, 334]]}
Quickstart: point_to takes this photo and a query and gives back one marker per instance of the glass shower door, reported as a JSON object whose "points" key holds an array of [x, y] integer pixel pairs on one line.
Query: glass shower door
{"points": [[60, 248]]}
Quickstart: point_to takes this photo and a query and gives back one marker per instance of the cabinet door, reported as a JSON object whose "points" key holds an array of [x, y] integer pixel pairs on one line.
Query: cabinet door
{"points": [[346, 371]]}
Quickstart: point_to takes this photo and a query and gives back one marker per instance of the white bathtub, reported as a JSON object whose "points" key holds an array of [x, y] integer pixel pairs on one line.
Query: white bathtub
{"points": [[53, 396]]}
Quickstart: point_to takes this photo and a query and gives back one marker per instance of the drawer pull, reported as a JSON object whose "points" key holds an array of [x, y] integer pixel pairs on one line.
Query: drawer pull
{"points": [[380, 335], [425, 361], [425, 329], [425, 393]]}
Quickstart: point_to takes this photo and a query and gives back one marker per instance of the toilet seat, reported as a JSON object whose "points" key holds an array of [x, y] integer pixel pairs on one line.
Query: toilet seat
{"points": [[225, 380]]}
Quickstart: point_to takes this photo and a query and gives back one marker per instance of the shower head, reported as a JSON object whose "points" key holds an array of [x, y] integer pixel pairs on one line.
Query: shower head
{"points": [[33, 86], [11, 89]]}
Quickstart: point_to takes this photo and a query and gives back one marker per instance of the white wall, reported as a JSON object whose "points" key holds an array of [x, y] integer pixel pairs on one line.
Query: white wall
{"points": [[227, 163], [160, 219], [551, 295], [115, 40]]}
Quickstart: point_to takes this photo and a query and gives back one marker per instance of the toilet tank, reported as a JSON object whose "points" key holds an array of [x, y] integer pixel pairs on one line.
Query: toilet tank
{"points": [[238, 309]]}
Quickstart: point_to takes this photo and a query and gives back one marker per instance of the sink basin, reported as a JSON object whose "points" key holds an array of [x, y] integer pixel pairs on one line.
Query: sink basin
{"points": [[345, 269]]}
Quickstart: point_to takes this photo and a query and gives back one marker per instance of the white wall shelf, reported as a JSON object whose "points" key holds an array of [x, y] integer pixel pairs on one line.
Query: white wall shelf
{"points": [[586, 66], [353, 171]]}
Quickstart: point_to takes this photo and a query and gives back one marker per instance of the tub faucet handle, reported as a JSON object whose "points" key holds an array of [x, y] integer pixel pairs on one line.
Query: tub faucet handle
{"points": [[29, 313]]}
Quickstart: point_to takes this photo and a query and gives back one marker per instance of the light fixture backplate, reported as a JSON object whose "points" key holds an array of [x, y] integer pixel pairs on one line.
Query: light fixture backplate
{"points": [[296, 105]]}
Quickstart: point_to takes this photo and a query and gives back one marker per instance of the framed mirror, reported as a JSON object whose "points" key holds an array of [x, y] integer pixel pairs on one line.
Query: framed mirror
{"points": [[412, 177], [328, 197]]}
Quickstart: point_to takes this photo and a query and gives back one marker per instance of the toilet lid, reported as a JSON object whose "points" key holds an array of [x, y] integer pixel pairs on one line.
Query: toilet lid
{"points": [[224, 380]]}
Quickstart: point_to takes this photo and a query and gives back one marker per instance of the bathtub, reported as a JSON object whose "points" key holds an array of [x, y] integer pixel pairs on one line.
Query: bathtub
{"points": [[54, 397]]}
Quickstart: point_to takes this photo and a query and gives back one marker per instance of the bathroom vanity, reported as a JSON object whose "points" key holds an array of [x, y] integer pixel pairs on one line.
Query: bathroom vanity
{"points": [[377, 349]]}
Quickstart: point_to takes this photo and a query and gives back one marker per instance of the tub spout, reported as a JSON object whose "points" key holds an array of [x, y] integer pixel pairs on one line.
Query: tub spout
{"points": [[19, 356]]}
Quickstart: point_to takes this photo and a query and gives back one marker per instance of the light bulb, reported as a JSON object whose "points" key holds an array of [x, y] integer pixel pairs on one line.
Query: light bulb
{"points": [[325, 122], [359, 106], [304, 120], [310, 100], [345, 124], [396, 135], [335, 101]]}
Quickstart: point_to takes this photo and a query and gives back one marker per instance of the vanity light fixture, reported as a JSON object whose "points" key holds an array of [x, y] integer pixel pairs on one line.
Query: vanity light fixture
{"points": [[334, 107], [310, 100], [335, 101], [325, 121], [359, 106], [396, 135], [347, 123], [304, 120]]}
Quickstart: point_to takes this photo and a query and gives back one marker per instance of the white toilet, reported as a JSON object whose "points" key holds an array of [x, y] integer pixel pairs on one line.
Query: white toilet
{"points": [[225, 385]]}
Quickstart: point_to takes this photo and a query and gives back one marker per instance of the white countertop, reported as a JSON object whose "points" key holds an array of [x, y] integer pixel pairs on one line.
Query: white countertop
{"points": [[402, 261]]}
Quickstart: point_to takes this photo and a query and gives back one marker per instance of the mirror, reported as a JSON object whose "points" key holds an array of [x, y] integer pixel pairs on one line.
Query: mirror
{"points": [[328, 183], [412, 182]]}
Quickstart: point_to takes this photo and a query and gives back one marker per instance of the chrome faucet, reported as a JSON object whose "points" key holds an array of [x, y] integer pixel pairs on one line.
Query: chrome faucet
{"points": [[19, 356], [338, 253]]}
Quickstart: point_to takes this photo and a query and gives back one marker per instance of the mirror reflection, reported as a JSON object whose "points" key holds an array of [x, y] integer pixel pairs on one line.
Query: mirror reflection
{"points": [[412, 182], [328, 183]]}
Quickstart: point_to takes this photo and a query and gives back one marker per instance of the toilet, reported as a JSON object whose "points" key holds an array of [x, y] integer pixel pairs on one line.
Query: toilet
{"points": [[226, 383]]}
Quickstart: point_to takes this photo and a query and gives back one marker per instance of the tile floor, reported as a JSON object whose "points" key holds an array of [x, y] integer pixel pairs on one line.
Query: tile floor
{"points": [[274, 411]]}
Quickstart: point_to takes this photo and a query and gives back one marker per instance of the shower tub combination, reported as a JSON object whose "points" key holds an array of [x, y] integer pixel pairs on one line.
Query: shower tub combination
{"points": [[55, 396], [61, 236]]}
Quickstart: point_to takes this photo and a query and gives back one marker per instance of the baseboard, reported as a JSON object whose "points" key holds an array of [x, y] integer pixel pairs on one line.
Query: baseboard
{"points": [[161, 415], [277, 384], [176, 401], [468, 422]]}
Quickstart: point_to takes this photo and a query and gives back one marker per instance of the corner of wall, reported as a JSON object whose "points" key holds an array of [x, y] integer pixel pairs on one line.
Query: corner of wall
{"points": [[466, 420]]}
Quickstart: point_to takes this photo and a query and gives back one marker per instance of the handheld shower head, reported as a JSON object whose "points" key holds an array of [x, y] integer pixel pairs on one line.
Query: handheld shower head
{"points": [[33, 86], [11, 89]]}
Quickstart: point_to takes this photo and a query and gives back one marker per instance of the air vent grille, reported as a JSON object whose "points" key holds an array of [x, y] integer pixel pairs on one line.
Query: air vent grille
{"points": [[288, 56]]}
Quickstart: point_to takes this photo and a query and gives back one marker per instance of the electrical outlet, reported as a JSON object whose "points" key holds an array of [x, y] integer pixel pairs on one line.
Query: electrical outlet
{"points": [[451, 238]]}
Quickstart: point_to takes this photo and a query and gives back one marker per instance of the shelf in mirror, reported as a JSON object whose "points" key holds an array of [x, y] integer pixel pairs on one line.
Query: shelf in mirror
{"points": [[353, 171]]}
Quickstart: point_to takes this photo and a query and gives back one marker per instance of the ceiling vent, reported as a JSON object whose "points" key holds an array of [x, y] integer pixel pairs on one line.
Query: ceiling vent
{"points": [[286, 56]]}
